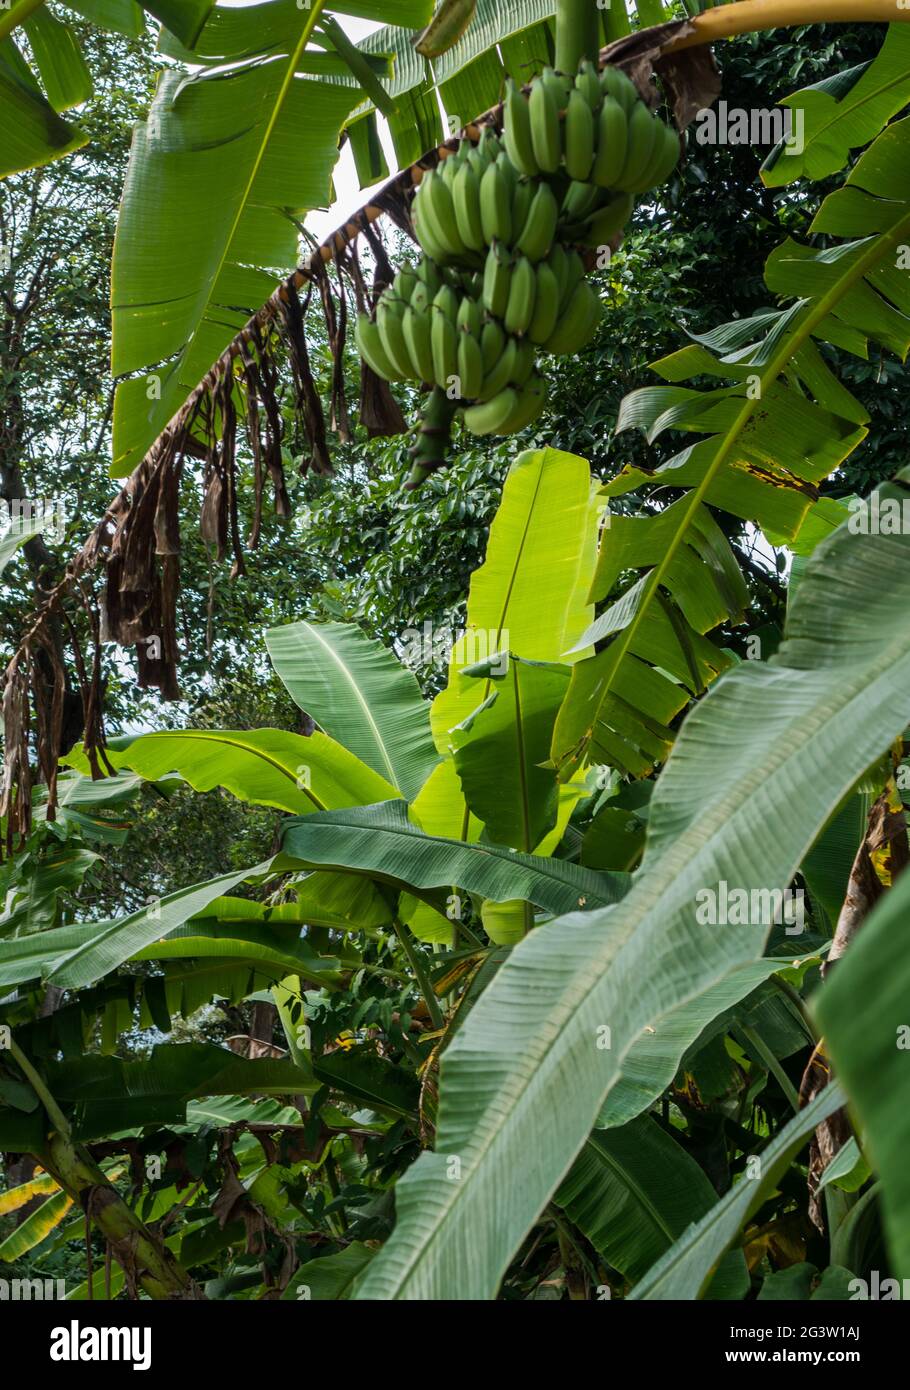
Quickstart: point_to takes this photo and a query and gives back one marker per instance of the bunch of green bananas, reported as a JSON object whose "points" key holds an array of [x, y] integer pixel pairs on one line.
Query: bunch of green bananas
{"points": [[499, 222], [431, 326], [596, 132], [476, 197]]}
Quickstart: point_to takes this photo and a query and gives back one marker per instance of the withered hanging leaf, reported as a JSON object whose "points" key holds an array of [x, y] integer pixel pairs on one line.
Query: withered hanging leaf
{"points": [[308, 402]]}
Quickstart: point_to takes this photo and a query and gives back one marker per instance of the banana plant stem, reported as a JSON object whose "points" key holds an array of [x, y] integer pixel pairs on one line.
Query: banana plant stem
{"points": [[418, 965], [18, 15], [751, 16], [145, 1259], [54, 1113], [577, 34]]}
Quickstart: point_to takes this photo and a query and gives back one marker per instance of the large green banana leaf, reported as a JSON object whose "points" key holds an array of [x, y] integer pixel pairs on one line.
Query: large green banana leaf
{"points": [[863, 1009], [633, 1191], [33, 131], [500, 749], [530, 596], [783, 425], [268, 767], [227, 163], [356, 690], [683, 1271], [381, 843], [758, 768]]}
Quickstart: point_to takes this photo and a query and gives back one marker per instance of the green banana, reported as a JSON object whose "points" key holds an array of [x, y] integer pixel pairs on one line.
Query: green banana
{"points": [[492, 343], [603, 225], [579, 137], [575, 273], [466, 201], [522, 199], [546, 305], [437, 214], [404, 284], [470, 366], [558, 85], [488, 146], [664, 161], [612, 143], [447, 302], [580, 201], [545, 132], [448, 168], [588, 83], [615, 83], [389, 320], [369, 345], [500, 375], [444, 345], [644, 131], [418, 340], [469, 318], [525, 357], [517, 137], [558, 261], [496, 205], [528, 407], [522, 292], [432, 249], [577, 324], [421, 299], [497, 280], [539, 228], [490, 416], [429, 274]]}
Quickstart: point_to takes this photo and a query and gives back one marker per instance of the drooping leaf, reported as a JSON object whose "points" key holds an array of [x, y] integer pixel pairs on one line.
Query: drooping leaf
{"points": [[268, 767], [770, 438], [33, 133], [35, 1228], [833, 124], [206, 221], [103, 946], [380, 842]]}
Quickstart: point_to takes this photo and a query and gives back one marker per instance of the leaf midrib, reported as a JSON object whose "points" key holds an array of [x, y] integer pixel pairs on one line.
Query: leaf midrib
{"points": [[358, 694]]}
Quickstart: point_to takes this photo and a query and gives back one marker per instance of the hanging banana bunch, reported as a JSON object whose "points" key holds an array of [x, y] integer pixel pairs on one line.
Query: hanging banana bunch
{"points": [[504, 227]]}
